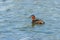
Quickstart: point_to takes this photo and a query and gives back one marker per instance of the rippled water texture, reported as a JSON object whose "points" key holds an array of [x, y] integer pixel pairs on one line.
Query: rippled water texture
{"points": [[15, 20]]}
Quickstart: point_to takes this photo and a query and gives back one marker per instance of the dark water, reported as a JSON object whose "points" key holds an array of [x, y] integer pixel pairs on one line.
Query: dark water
{"points": [[15, 20]]}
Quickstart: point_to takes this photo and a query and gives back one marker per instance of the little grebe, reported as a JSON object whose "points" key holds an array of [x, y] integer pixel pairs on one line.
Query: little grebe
{"points": [[36, 21]]}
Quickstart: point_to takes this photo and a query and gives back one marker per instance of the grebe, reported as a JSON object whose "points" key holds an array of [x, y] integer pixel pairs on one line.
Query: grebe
{"points": [[36, 21]]}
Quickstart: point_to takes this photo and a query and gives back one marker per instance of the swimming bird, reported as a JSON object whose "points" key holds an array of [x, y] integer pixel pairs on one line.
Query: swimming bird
{"points": [[36, 21]]}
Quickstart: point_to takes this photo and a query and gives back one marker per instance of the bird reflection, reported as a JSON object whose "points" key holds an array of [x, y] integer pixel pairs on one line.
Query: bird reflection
{"points": [[33, 24]]}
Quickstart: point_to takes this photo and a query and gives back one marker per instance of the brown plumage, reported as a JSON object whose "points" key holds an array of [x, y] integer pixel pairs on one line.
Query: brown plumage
{"points": [[36, 21]]}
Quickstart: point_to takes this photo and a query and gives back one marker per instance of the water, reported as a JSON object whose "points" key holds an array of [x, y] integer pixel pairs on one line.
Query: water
{"points": [[15, 20]]}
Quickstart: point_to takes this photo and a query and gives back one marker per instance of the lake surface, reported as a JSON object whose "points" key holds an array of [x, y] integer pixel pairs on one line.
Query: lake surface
{"points": [[15, 19]]}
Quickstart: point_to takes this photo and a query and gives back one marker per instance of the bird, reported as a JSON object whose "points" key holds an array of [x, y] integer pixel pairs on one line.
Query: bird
{"points": [[36, 21]]}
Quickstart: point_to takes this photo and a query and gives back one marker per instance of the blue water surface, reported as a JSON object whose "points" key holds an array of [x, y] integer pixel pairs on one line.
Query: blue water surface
{"points": [[15, 19]]}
